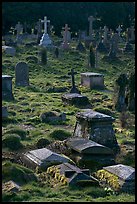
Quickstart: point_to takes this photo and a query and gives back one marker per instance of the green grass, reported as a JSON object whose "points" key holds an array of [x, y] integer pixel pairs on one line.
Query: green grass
{"points": [[30, 102]]}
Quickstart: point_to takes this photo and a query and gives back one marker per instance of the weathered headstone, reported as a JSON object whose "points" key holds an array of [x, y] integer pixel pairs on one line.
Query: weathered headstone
{"points": [[9, 50], [92, 80], [65, 44], [125, 177], [52, 116], [75, 99], [43, 158], [19, 29], [22, 74], [38, 27], [91, 19], [45, 40], [119, 29], [114, 46], [73, 174], [97, 127], [7, 87]]}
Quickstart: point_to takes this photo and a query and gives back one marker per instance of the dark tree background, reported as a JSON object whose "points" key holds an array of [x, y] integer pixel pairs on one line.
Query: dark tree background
{"points": [[75, 14]]}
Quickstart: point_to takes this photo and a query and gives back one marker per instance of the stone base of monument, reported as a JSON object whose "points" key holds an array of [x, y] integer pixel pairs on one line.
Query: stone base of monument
{"points": [[45, 40], [75, 99]]}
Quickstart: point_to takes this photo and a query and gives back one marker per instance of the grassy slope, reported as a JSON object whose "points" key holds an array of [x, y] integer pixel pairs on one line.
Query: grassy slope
{"points": [[31, 101]]}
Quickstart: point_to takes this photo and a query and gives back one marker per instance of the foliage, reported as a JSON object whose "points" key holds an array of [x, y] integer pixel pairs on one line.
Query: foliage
{"points": [[12, 141]]}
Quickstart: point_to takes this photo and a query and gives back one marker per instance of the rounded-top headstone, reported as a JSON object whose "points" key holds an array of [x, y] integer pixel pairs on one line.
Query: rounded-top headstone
{"points": [[22, 74]]}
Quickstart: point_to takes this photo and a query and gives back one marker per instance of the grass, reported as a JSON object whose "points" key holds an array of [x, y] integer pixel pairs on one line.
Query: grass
{"points": [[25, 110]]}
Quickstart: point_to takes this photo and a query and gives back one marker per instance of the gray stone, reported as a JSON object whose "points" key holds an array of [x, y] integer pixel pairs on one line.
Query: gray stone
{"points": [[86, 146], [52, 116], [4, 112], [75, 99], [97, 127], [92, 80], [75, 174], [9, 50], [125, 174], [22, 74], [7, 87], [43, 158]]}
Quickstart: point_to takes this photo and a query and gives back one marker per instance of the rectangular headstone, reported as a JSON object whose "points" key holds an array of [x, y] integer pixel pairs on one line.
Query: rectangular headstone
{"points": [[4, 112], [7, 87], [92, 80], [22, 74]]}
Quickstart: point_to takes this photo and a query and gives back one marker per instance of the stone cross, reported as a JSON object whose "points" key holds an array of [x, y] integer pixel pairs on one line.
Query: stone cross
{"points": [[74, 89], [45, 21], [65, 43], [19, 28], [119, 29], [91, 19]]}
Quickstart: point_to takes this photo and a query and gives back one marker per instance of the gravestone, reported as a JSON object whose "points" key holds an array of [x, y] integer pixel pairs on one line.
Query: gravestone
{"points": [[119, 29], [10, 186], [91, 19], [65, 44], [92, 80], [125, 175], [22, 74], [113, 46], [128, 47], [19, 29], [75, 99], [88, 153], [38, 27], [131, 92], [96, 127], [132, 30], [74, 174], [52, 116], [121, 82], [101, 47], [4, 112], [80, 47], [45, 40], [43, 158], [9, 50], [73, 89], [7, 87]]}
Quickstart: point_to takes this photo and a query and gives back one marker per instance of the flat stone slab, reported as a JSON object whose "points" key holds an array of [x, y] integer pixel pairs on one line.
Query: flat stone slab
{"points": [[6, 77], [86, 146], [75, 99], [9, 50], [124, 172], [91, 115], [43, 158], [10, 186], [75, 174]]}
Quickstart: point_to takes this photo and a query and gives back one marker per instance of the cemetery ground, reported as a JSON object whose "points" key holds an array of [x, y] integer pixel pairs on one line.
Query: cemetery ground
{"points": [[47, 84]]}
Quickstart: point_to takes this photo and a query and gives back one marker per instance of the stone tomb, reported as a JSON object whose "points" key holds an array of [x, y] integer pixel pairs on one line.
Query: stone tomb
{"points": [[92, 80], [75, 99], [7, 87], [74, 174], [43, 158], [126, 176], [88, 153], [9, 50], [97, 127], [4, 112], [22, 74]]}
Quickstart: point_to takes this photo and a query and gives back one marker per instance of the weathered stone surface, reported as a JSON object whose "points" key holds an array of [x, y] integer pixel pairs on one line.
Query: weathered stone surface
{"points": [[124, 172], [126, 176], [96, 127], [4, 112], [75, 174], [92, 80], [7, 87], [52, 116], [86, 146], [75, 99], [9, 50], [43, 158], [22, 74]]}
